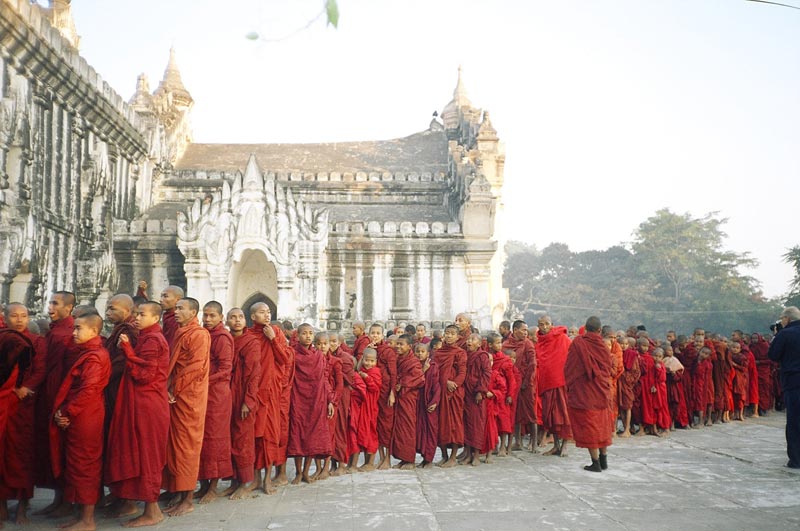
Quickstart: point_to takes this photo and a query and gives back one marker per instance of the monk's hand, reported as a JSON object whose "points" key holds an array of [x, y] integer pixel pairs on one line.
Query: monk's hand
{"points": [[451, 385], [432, 408], [489, 394], [245, 411], [391, 399], [269, 332], [478, 397], [171, 398], [508, 400], [653, 389], [397, 388], [331, 410], [60, 420], [123, 338], [23, 392], [143, 284]]}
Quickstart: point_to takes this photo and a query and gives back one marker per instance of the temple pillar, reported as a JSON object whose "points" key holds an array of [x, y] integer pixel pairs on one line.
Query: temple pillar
{"points": [[400, 277]]}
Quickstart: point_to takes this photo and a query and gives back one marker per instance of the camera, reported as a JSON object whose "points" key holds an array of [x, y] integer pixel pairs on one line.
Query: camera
{"points": [[776, 327]]}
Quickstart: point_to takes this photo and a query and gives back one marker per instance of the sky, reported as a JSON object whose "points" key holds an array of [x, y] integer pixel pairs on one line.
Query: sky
{"points": [[609, 109]]}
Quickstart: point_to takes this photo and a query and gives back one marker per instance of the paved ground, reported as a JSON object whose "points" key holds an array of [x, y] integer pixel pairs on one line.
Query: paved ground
{"points": [[730, 476]]}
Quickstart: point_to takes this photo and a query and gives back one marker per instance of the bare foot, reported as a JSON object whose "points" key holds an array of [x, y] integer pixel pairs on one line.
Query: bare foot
{"points": [[397, 465], [408, 466], [208, 497], [325, 474], [502, 452], [624, 435], [124, 508], [551, 451], [516, 447], [242, 491], [184, 507], [426, 464], [173, 500], [338, 472], [475, 461], [296, 480], [144, 520], [230, 490], [369, 467], [384, 465], [450, 463], [79, 525], [269, 489], [62, 511], [280, 481], [22, 514], [307, 479]]}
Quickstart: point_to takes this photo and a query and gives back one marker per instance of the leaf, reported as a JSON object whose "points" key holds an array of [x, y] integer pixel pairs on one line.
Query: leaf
{"points": [[252, 36], [332, 11]]}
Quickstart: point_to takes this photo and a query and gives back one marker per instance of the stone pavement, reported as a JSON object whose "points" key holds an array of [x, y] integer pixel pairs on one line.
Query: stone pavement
{"points": [[730, 476]]}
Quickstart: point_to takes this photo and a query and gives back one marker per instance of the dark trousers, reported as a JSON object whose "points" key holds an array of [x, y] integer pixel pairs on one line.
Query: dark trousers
{"points": [[791, 398]]}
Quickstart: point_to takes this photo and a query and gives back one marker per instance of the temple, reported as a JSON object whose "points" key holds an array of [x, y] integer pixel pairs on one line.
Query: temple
{"points": [[97, 193]]}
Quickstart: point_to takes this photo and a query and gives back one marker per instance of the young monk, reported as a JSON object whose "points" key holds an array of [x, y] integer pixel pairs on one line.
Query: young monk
{"points": [[245, 379], [551, 354], [312, 406], [494, 398], [387, 363], [169, 301], [340, 456], [427, 416], [526, 417], [740, 383], [17, 457], [362, 340], [77, 429], [188, 396], [660, 404], [333, 373], [505, 408], [627, 387], [676, 397], [648, 388], [476, 385], [410, 379], [367, 417], [286, 381], [137, 439], [703, 391], [215, 457], [452, 363]]}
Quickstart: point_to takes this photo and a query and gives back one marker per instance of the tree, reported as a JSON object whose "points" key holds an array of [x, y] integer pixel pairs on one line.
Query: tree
{"points": [[792, 257]]}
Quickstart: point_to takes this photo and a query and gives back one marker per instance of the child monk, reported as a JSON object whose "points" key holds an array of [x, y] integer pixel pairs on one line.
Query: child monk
{"points": [[452, 362], [627, 386], [362, 340], [333, 373], [76, 433], [409, 380], [367, 430], [505, 408], [340, 456], [358, 395], [311, 407], [703, 387], [476, 384], [137, 440], [387, 363], [660, 404], [676, 396], [495, 397], [739, 361], [427, 416]]}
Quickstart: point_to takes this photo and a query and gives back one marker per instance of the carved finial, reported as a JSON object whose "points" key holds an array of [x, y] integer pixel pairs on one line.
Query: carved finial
{"points": [[487, 130], [252, 175], [60, 13], [460, 93], [142, 100], [172, 81]]}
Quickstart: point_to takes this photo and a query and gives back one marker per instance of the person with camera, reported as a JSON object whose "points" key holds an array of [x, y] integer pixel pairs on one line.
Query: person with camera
{"points": [[785, 349]]}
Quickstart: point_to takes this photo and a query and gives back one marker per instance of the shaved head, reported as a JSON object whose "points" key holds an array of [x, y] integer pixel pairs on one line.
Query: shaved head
{"points": [[92, 320], [150, 307], [177, 291], [123, 300], [258, 306], [83, 310]]}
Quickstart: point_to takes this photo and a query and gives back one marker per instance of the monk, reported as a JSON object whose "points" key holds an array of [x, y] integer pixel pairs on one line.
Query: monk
{"points": [[76, 432], [765, 369], [188, 372], [464, 324], [309, 435], [506, 408], [17, 458], [551, 354], [660, 403], [427, 416], [245, 379], [476, 385], [587, 373], [452, 363], [367, 412], [387, 363], [341, 455], [504, 329], [494, 397], [526, 399], [286, 381], [137, 438], [647, 389], [410, 379], [169, 300], [274, 356], [615, 350], [740, 384], [61, 354], [676, 397], [703, 387], [420, 335], [362, 340], [215, 456], [333, 374]]}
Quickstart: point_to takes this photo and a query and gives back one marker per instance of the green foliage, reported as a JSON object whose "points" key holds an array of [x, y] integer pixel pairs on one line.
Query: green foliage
{"points": [[676, 275], [792, 257], [332, 12]]}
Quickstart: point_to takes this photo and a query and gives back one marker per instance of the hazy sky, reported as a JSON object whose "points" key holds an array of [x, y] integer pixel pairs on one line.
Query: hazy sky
{"points": [[609, 109]]}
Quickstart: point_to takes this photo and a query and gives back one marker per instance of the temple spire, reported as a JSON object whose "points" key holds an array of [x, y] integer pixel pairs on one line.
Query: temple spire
{"points": [[172, 82], [460, 93]]}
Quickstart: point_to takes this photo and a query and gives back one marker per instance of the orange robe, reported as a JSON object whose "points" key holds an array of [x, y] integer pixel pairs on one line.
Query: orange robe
{"points": [[215, 457], [268, 415], [245, 378], [617, 369], [188, 383]]}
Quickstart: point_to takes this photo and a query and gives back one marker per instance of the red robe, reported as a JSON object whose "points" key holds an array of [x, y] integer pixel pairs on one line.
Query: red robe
{"points": [[340, 446], [497, 386], [367, 429], [617, 369], [688, 358], [215, 456], [404, 432], [358, 394], [287, 379], [309, 434], [647, 382], [128, 328], [387, 363], [428, 422], [77, 451], [245, 379], [551, 354], [188, 382], [137, 438], [170, 326], [335, 377], [629, 379], [587, 372], [526, 364], [765, 368], [61, 354], [17, 453], [676, 398], [16, 353], [752, 379], [274, 356], [740, 383], [505, 411], [479, 372], [660, 404], [360, 344], [703, 386], [452, 363]]}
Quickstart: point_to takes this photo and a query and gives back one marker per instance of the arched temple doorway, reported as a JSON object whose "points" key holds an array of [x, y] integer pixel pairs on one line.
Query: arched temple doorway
{"points": [[258, 297], [253, 279]]}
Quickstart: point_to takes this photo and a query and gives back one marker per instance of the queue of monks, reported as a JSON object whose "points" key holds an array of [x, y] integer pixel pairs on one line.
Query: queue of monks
{"points": [[179, 393]]}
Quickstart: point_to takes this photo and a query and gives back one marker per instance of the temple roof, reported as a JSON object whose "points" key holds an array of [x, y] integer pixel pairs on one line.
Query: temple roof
{"points": [[421, 152]]}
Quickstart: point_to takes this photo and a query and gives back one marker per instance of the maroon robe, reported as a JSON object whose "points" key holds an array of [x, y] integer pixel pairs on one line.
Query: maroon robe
{"points": [[765, 369], [286, 381], [476, 382], [703, 386], [215, 456], [505, 411], [740, 383], [127, 327], [309, 434], [526, 364], [360, 344], [551, 354], [387, 363], [358, 394], [16, 352], [335, 377], [170, 326], [627, 381], [588, 373], [452, 363], [137, 440], [428, 422], [647, 395], [340, 446], [688, 358], [660, 404], [77, 451], [676, 398], [245, 379], [404, 431], [274, 355], [497, 386], [367, 430], [752, 379]]}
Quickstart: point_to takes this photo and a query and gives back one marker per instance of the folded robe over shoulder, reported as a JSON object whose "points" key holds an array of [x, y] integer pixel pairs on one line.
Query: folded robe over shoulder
{"points": [[587, 372], [526, 364], [505, 411], [309, 434], [335, 377], [428, 421], [452, 363], [137, 438], [215, 456], [404, 431], [340, 446], [367, 428], [479, 372], [497, 386], [245, 379], [387, 363], [274, 356]]}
